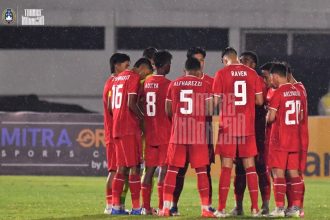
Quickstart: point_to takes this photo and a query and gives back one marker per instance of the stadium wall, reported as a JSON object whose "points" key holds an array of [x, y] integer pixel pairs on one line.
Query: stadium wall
{"points": [[77, 76]]}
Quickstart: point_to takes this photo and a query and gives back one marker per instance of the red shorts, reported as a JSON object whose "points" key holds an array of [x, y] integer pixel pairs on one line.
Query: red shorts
{"points": [[128, 150], [155, 155], [233, 147], [111, 157], [196, 154], [303, 161], [284, 160]]}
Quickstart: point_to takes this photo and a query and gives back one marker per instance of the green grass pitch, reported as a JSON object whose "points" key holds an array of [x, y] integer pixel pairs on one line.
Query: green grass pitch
{"points": [[49, 197]]}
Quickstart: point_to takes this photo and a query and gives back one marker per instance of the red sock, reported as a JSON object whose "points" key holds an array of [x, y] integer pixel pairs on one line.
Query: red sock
{"points": [[240, 185], [252, 182], [297, 187], [146, 196], [289, 192], [169, 185], [117, 188], [279, 191], [108, 196], [160, 188], [224, 185], [264, 185], [203, 185], [303, 195], [135, 187]]}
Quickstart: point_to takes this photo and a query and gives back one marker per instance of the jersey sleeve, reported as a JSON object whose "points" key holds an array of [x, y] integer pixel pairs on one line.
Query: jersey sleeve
{"points": [[275, 101], [217, 87], [134, 84]]}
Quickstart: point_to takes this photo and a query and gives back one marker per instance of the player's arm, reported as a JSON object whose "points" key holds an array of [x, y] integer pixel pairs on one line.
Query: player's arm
{"points": [[133, 105], [259, 99], [271, 115], [168, 108], [216, 104], [209, 106], [109, 104]]}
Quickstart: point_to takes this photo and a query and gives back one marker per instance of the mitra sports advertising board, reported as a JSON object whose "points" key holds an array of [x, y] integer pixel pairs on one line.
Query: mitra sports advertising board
{"points": [[52, 144]]}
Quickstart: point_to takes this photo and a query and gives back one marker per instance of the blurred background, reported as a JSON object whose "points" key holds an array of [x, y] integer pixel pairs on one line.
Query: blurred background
{"points": [[67, 59]]}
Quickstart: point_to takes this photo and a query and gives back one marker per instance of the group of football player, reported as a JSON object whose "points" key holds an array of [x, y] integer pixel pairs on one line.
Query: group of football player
{"points": [[260, 122]]}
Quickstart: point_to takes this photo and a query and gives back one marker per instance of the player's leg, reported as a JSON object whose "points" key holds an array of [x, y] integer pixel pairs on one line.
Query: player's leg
{"points": [[208, 170], [160, 186], [117, 189], [252, 182], [297, 185], [135, 188], [279, 188], [146, 189], [108, 191], [247, 150], [264, 184], [178, 189], [302, 167], [239, 187]]}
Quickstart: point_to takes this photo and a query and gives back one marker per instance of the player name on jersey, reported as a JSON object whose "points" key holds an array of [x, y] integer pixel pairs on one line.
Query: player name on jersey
{"points": [[188, 83], [238, 73], [291, 93], [122, 78], [151, 85]]}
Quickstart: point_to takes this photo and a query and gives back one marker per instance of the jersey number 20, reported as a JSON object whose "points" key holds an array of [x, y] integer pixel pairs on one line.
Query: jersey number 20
{"points": [[294, 109]]}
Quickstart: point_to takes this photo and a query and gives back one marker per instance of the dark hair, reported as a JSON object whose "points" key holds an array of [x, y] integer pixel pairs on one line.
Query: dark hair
{"points": [[227, 51], [196, 50], [162, 58], [266, 66], [118, 58], [192, 64], [143, 61], [251, 55], [149, 52], [279, 68], [288, 67]]}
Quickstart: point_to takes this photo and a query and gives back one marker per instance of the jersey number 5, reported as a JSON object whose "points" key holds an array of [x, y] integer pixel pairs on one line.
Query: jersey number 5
{"points": [[188, 100], [117, 96], [294, 109], [240, 92]]}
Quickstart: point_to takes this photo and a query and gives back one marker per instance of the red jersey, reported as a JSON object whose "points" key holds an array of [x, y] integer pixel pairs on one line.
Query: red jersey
{"points": [[304, 123], [208, 79], [188, 95], [107, 116], [157, 124], [269, 96], [285, 133], [124, 120], [237, 85]]}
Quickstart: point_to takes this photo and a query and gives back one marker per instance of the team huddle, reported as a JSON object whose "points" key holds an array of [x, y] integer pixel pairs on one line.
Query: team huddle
{"points": [[260, 124]]}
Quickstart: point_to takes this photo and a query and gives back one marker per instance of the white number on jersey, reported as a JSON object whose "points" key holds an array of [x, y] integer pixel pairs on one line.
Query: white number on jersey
{"points": [[294, 109], [151, 103], [240, 85], [117, 96], [188, 100]]}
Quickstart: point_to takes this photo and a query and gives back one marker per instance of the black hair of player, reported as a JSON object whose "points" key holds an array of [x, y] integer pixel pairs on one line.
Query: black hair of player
{"points": [[227, 51], [196, 50], [162, 58], [252, 55], [279, 68], [149, 53], [118, 58], [192, 64], [288, 67], [143, 61], [266, 66]]}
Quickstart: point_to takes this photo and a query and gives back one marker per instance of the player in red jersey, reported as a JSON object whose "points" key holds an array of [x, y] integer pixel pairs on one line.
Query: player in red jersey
{"points": [[237, 89], [118, 63], [200, 54], [250, 59], [188, 103], [157, 128], [285, 112], [127, 134], [304, 141]]}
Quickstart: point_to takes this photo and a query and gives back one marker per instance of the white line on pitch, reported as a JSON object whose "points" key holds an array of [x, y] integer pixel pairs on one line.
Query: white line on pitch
{"points": [[42, 165]]}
